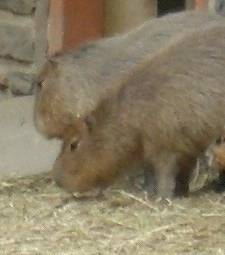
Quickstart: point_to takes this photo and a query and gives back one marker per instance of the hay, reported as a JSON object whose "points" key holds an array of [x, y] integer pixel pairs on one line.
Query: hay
{"points": [[36, 217]]}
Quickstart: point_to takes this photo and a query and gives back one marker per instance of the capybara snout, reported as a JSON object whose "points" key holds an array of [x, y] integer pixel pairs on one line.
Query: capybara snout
{"points": [[49, 116], [47, 103]]}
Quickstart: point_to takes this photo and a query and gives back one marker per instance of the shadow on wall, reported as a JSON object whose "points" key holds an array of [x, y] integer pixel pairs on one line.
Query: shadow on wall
{"points": [[220, 7], [121, 16]]}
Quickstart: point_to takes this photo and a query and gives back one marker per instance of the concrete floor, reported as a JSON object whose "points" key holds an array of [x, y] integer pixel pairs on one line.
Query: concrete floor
{"points": [[22, 150]]}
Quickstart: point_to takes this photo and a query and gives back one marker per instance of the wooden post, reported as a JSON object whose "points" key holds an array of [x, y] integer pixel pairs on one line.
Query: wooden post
{"points": [[190, 4], [201, 4], [72, 22], [55, 26]]}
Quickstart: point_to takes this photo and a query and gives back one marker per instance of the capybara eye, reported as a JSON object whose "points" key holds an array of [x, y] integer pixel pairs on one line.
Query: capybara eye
{"points": [[39, 84], [74, 145]]}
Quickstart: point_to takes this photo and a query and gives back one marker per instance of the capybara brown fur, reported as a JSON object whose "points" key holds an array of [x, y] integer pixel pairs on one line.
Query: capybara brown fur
{"points": [[166, 113], [72, 84]]}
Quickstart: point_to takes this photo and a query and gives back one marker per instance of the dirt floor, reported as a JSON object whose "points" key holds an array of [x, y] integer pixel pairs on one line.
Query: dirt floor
{"points": [[36, 217]]}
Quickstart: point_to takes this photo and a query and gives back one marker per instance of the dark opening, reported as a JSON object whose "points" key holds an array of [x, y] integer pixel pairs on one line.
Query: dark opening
{"points": [[167, 6]]}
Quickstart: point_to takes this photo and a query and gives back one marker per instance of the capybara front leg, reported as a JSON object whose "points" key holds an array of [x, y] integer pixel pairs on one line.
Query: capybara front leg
{"points": [[149, 183], [165, 177]]}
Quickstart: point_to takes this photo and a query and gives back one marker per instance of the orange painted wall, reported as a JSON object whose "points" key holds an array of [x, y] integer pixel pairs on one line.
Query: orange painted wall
{"points": [[201, 4], [71, 22], [83, 20]]}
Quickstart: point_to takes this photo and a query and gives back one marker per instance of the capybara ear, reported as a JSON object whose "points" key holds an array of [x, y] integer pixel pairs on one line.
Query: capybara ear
{"points": [[52, 64], [98, 116], [49, 67]]}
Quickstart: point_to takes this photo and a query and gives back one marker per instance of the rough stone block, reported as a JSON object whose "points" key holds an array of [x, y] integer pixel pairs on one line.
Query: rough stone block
{"points": [[17, 41], [20, 83], [23, 7], [10, 70]]}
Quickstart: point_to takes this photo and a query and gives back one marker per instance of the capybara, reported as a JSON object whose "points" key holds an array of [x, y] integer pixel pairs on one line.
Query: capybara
{"points": [[71, 85], [166, 113]]}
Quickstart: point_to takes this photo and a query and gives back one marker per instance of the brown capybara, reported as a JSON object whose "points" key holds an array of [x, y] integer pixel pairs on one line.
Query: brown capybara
{"points": [[166, 113], [72, 84]]}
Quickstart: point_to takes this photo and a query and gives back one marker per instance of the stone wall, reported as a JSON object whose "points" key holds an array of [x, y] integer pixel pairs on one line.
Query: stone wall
{"points": [[23, 44], [217, 6]]}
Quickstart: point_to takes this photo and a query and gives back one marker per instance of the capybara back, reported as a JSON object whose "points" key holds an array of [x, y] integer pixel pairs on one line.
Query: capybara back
{"points": [[77, 81]]}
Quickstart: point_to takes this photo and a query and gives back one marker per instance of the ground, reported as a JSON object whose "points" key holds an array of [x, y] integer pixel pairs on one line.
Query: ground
{"points": [[37, 217]]}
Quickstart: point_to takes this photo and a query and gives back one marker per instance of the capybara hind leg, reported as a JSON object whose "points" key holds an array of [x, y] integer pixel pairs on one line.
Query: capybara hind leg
{"points": [[165, 177], [219, 184], [218, 164], [186, 166]]}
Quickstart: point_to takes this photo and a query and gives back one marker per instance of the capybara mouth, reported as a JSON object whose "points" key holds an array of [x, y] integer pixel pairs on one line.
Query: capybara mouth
{"points": [[92, 192]]}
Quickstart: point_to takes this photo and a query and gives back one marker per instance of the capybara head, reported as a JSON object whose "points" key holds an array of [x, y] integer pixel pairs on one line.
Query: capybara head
{"points": [[99, 158], [52, 113]]}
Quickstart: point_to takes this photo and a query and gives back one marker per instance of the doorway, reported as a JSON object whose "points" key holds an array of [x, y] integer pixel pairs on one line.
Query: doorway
{"points": [[165, 6]]}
